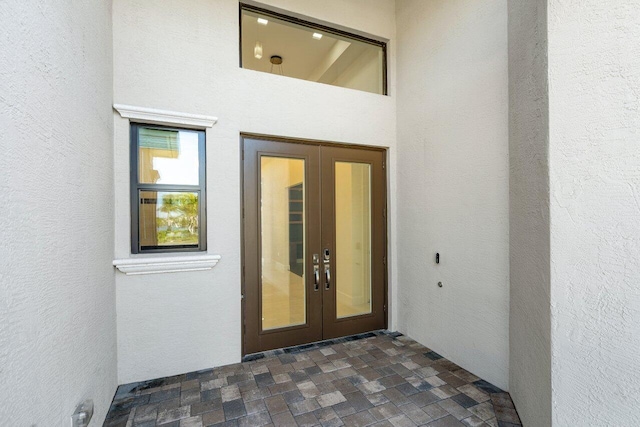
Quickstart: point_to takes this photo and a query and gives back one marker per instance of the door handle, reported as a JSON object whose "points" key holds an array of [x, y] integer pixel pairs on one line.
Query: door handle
{"points": [[327, 277], [316, 277]]}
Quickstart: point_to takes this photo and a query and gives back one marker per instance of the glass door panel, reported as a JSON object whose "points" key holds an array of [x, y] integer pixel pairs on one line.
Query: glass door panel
{"points": [[282, 301], [282, 213], [353, 238], [314, 243]]}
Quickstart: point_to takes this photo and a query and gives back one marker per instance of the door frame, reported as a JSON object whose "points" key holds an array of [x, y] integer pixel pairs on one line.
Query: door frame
{"points": [[310, 142]]}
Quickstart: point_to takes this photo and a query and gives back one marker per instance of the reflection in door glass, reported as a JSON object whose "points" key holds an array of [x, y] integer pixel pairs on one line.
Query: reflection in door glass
{"points": [[353, 238], [282, 231]]}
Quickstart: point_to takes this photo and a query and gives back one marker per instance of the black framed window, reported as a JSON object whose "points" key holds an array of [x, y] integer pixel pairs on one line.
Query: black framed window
{"points": [[272, 42], [168, 191]]}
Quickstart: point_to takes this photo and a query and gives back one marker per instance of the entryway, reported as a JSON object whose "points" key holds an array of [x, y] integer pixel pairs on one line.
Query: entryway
{"points": [[381, 379], [314, 255]]}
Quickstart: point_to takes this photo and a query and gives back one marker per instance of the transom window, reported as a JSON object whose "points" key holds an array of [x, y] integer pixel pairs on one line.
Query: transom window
{"points": [[168, 195], [289, 46]]}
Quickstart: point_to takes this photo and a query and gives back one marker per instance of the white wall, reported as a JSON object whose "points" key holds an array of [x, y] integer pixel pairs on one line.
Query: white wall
{"points": [[183, 56], [363, 73], [453, 182], [594, 174], [575, 210], [57, 296], [530, 328]]}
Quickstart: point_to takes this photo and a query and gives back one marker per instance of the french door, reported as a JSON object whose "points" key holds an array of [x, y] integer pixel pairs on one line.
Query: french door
{"points": [[314, 248]]}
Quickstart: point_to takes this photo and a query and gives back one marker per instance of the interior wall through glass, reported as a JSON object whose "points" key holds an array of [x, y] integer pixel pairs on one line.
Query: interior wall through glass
{"points": [[290, 47]]}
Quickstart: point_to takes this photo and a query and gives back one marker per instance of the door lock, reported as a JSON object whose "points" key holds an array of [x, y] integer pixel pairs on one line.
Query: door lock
{"points": [[327, 269]]}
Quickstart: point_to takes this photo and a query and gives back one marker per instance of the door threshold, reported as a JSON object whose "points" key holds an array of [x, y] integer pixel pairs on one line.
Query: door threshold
{"points": [[316, 345]]}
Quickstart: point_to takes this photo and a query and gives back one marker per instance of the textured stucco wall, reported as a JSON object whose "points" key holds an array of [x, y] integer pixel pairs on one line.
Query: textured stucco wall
{"points": [[529, 324], [183, 56], [453, 181], [57, 296], [575, 210], [594, 169]]}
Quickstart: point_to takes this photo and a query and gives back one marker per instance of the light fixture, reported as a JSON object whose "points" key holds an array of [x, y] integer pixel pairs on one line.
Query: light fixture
{"points": [[262, 21], [276, 65], [257, 50], [317, 36]]}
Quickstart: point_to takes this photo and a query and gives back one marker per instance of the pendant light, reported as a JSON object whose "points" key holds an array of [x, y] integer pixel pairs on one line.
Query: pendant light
{"points": [[276, 64], [257, 50]]}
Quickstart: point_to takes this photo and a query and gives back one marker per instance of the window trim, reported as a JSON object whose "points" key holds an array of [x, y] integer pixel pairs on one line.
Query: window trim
{"points": [[136, 187], [323, 28]]}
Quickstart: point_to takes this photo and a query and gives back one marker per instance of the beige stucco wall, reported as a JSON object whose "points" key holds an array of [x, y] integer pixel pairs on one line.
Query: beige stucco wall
{"points": [[594, 180], [453, 181], [529, 322], [183, 56], [57, 297]]}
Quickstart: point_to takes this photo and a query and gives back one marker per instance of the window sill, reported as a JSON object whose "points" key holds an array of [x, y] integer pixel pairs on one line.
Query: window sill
{"points": [[150, 265]]}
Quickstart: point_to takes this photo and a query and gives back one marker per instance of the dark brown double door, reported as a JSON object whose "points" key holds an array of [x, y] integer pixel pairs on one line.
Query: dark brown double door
{"points": [[314, 249]]}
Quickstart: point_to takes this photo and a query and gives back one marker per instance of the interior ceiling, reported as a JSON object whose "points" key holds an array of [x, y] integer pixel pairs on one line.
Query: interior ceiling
{"points": [[300, 52]]}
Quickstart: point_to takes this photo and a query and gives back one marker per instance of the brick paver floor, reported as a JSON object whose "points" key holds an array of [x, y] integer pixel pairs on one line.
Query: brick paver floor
{"points": [[381, 379]]}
